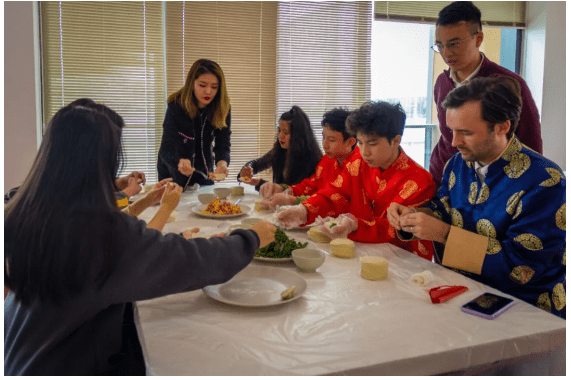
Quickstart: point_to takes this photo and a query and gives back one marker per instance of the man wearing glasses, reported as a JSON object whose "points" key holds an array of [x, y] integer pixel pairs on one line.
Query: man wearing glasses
{"points": [[458, 39]]}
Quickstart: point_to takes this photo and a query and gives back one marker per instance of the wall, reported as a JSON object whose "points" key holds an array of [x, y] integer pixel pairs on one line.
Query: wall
{"points": [[545, 37], [20, 136]]}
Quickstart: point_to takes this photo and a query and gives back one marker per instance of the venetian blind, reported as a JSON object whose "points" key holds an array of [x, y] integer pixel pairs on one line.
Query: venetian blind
{"points": [[494, 13], [111, 52], [240, 37], [324, 54]]}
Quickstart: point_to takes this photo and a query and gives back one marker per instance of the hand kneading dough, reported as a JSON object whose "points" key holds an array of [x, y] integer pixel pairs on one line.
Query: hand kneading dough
{"points": [[344, 248], [259, 207], [172, 217], [374, 267], [317, 235]]}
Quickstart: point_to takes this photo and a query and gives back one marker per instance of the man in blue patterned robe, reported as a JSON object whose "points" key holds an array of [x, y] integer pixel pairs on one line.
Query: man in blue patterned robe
{"points": [[500, 210]]}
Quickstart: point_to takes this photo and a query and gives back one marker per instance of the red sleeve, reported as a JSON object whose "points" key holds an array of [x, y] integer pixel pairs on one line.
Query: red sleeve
{"points": [[308, 186], [331, 200]]}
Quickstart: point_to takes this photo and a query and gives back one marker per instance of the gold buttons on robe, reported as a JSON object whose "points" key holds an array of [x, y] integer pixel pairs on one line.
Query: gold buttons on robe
{"points": [[559, 296], [521, 274], [555, 177], [560, 217], [529, 241]]}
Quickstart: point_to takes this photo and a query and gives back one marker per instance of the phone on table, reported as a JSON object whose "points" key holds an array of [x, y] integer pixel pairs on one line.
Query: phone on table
{"points": [[488, 305]]}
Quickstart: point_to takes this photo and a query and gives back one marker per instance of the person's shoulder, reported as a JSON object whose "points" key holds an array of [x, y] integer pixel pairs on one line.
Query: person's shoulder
{"points": [[493, 69]]}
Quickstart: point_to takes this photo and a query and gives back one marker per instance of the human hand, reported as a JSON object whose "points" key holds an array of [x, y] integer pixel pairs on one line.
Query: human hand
{"points": [[222, 168], [133, 186], [155, 195], [171, 196], [139, 176], [279, 199], [161, 184], [246, 172], [339, 227], [268, 189], [266, 232], [292, 216], [187, 234], [395, 212], [184, 167], [425, 227]]}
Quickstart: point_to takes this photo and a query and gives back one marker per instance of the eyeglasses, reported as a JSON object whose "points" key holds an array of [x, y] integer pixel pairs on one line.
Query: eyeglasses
{"points": [[451, 45]]}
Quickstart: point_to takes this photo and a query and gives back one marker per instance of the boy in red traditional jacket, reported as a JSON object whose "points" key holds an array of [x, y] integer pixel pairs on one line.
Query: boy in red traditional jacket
{"points": [[378, 174], [338, 145]]}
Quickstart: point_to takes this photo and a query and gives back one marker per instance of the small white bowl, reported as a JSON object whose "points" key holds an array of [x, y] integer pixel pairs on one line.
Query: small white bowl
{"points": [[236, 226], [251, 221], [222, 192], [206, 198], [308, 259]]}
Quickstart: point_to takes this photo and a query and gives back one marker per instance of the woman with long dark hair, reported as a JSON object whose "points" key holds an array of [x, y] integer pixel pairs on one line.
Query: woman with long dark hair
{"points": [[294, 156], [73, 262], [198, 116]]}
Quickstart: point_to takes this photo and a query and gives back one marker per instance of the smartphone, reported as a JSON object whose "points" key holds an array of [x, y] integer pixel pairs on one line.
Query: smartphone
{"points": [[488, 305]]}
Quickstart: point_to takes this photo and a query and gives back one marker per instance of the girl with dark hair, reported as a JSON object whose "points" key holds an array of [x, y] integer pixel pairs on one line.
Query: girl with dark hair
{"points": [[198, 116], [294, 156], [73, 262]]}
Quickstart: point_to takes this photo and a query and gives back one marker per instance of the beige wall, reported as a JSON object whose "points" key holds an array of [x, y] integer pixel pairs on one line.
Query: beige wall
{"points": [[20, 136]]}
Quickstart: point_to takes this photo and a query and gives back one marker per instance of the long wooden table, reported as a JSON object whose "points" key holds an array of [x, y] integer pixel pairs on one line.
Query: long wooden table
{"points": [[343, 323]]}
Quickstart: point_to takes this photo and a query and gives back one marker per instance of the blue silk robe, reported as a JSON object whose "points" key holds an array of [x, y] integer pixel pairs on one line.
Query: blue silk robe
{"points": [[520, 206]]}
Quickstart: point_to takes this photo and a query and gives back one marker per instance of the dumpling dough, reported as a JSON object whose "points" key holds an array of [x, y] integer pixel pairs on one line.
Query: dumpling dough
{"points": [[374, 267], [172, 217], [342, 247], [317, 235]]}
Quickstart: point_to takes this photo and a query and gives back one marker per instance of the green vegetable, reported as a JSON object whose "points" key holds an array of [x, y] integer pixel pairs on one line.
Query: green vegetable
{"points": [[332, 225], [281, 248]]}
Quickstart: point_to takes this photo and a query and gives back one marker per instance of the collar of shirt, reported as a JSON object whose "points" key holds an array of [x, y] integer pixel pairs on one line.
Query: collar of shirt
{"points": [[454, 77], [481, 170]]}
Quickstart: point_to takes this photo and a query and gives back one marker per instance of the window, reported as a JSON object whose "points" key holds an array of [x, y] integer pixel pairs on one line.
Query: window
{"points": [[111, 52], [323, 57]]}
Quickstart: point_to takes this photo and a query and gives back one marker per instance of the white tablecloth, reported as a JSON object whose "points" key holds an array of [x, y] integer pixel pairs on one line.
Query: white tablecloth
{"points": [[343, 323]]}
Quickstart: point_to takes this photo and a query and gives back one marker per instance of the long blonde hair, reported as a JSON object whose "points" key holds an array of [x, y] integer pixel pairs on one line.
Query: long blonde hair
{"points": [[219, 107]]}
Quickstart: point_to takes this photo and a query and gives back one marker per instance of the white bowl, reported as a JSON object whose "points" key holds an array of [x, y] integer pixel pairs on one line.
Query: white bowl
{"points": [[251, 221], [206, 198], [237, 190], [308, 259], [222, 192]]}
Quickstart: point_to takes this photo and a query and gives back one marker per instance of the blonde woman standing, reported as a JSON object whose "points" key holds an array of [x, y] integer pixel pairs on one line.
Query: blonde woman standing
{"points": [[196, 130]]}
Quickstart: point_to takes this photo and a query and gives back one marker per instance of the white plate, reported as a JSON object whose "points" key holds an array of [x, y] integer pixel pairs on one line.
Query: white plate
{"points": [[199, 208], [257, 286], [285, 259]]}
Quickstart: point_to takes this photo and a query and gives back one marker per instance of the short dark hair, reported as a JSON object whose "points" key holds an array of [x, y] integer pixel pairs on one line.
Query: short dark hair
{"points": [[335, 119], [377, 118], [460, 11], [499, 96]]}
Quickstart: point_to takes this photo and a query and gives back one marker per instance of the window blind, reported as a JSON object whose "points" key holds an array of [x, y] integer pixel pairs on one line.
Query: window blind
{"points": [[494, 13], [324, 54], [240, 37], [111, 52]]}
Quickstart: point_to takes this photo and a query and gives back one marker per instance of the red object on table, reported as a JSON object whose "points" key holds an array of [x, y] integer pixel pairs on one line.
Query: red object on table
{"points": [[443, 293]]}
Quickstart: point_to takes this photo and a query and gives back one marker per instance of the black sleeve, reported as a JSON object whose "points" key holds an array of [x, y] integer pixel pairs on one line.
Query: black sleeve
{"points": [[170, 151], [155, 265], [222, 142]]}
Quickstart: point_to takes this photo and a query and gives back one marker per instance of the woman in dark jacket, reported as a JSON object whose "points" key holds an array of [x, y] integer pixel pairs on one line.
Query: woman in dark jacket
{"points": [[198, 116], [294, 156]]}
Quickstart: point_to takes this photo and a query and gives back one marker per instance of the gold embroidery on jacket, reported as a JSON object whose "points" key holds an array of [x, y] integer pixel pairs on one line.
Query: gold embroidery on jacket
{"points": [[486, 228], [353, 167], [558, 296], [313, 209], [369, 223], [336, 197], [338, 182], [318, 171], [518, 165], [382, 185], [555, 177], [543, 302], [445, 203], [521, 274], [422, 249], [451, 181], [473, 193], [456, 218], [484, 194], [560, 217], [529, 241], [410, 187], [514, 204], [513, 149]]}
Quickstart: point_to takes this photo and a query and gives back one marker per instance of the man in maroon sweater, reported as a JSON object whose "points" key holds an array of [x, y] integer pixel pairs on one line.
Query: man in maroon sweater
{"points": [[458, 39]]}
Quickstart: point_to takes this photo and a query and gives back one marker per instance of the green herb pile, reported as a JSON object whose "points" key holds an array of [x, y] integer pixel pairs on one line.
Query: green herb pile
{"points": [[281, 248]]}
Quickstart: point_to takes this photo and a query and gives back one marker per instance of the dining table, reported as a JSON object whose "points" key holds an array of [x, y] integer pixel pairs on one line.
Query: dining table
{"points": [[341, 323]]}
